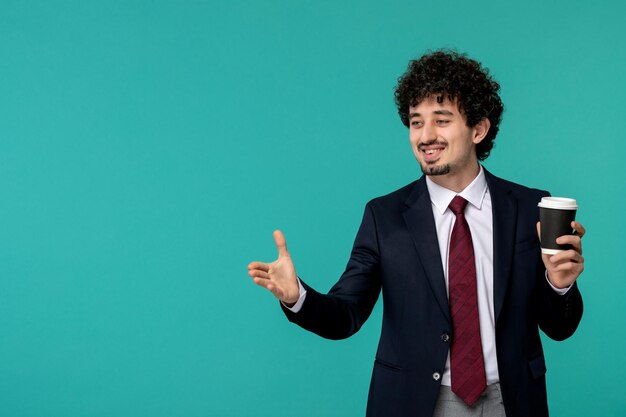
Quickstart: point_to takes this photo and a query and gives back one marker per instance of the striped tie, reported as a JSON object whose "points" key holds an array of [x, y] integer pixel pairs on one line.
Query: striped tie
{"points": [[467, 367]]}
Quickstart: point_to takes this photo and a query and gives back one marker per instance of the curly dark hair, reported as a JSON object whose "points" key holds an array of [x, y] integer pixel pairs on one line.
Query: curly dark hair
{"points": [[455, 75]]}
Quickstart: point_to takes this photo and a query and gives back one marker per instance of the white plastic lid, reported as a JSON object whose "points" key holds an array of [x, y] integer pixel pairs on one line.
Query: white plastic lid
{"points": [[560, 203]]}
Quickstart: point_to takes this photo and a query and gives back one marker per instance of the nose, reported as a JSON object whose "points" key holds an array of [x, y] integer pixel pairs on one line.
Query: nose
{"points": [[429, 133]]}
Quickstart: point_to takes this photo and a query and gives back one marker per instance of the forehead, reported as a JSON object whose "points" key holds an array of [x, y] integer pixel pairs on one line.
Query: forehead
{"points": [[435, 103]]}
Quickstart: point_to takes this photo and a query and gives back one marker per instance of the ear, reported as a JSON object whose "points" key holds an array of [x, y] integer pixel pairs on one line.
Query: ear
{"points": [[480, 130]]}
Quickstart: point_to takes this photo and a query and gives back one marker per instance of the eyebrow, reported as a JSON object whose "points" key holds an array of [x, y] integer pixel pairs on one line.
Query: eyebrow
{"points": [[437, 112]]}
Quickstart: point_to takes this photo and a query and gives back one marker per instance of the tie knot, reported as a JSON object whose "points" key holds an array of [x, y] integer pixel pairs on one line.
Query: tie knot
{"points": [[457, 205]]}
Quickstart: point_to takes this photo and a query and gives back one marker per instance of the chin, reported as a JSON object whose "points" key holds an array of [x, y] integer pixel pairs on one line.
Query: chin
{"points": [[434, 170]]}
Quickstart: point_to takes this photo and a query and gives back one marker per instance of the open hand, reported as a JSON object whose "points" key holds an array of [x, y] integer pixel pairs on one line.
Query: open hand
{"points": [[279, 277]]}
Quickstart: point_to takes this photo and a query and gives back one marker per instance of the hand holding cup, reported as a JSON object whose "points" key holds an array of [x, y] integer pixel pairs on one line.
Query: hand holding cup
{"points": [[561, 244]]}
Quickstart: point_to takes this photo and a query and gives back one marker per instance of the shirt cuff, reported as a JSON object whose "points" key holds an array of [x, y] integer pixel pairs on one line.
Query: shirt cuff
{"points": [[298, 305], [559, 291]]}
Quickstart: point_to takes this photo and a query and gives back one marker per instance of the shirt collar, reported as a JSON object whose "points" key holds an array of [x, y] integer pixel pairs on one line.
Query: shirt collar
{"points": [[474, 193]]}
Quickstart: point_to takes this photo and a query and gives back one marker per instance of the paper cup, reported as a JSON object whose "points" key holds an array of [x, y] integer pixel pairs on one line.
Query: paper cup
{"points": [[556, 215]]}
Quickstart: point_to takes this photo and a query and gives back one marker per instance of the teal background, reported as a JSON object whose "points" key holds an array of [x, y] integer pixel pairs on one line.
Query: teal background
{"points": [[148, 149]]}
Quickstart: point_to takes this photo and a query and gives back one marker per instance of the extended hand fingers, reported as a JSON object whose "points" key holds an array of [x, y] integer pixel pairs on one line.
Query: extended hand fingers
{"points": [[257, 273], [262, 266], [262, 282], [270, 286]]}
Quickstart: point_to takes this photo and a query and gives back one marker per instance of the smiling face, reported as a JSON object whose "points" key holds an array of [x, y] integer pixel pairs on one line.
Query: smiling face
{"points": [[443, 144]]}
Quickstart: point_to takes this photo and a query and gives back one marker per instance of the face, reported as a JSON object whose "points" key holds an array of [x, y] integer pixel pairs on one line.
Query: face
{"points": [[443, 144]]}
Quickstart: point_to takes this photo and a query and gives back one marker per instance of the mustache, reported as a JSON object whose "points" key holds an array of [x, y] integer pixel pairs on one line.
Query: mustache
{"points": [[433, 142]]}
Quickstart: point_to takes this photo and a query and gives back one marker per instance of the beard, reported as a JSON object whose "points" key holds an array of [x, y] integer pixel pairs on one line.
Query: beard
{"points": [[436, 169]]}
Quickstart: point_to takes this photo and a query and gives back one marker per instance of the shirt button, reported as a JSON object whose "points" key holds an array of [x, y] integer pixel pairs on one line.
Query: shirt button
{"points": [[436, 376], [445, 337]]}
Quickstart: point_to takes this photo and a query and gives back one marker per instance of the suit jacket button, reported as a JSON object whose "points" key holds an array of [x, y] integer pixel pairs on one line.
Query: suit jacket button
{"points": [[436, 376], [445, 337]]}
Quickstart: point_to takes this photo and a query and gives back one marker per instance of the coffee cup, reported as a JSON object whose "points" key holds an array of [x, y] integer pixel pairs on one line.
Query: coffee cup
{"points": [[556, 215]]}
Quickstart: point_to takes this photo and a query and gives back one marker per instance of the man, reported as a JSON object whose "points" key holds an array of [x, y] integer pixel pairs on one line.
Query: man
{"points": [[457, 256]]}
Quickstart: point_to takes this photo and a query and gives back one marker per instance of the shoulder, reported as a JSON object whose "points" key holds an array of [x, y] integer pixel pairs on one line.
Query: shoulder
{"points": [[398, 198], [518, 191]]}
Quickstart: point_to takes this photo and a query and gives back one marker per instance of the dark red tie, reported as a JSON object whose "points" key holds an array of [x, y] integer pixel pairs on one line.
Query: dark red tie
{"points": [[467, 367]]}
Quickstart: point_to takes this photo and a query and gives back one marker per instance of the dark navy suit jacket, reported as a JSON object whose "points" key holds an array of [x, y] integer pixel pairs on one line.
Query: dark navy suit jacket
{"points": [[396, 250]]}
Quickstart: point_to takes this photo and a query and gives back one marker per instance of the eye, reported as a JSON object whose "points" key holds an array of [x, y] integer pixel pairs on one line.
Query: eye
{"points": [[443, 122], [416, 123]]}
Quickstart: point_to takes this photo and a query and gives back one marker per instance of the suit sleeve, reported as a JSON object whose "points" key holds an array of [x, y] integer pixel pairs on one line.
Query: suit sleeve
{"points": [[341, 313], [560, 314]]}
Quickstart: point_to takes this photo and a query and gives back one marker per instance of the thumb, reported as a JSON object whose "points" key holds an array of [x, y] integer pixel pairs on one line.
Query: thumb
{"points": [[281, 244], [539, 230]]}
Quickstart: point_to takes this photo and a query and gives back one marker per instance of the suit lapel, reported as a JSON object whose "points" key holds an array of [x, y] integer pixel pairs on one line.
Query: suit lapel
{"points": [[504, 212], [421, 225]]}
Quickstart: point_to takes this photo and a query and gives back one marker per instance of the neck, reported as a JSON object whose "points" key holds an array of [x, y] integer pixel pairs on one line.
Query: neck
{"points": [[457, 182]]}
